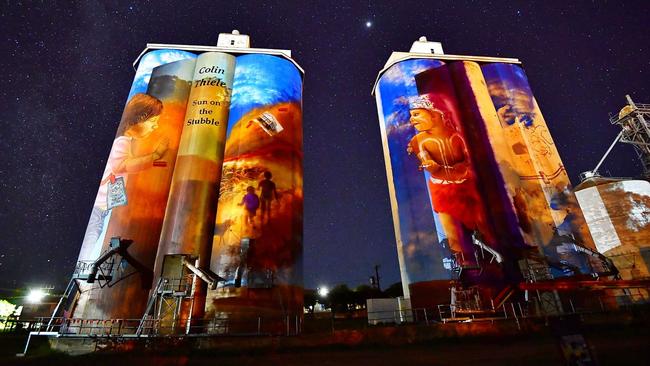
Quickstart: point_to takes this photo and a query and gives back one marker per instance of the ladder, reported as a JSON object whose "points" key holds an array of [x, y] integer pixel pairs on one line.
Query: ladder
{"points": [[72, 285], [150, 305]]}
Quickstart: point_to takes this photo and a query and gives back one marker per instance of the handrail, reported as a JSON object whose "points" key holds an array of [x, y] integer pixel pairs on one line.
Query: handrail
{"points": [[292, 324]]}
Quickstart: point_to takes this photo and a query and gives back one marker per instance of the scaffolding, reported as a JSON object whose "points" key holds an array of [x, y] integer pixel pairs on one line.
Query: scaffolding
{"points": [[163, 310], [536, 268], [102, 272], [633, 120], [171, 303], [635, 130]]}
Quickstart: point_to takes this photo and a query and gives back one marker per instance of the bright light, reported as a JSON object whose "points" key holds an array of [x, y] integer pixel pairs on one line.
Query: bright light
{"points": [[368, 24], [323, 291], [35, 296]]}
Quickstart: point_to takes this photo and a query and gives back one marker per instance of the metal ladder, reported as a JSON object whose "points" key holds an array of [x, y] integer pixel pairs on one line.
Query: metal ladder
{"points": [[150, 305], [66, 295]]}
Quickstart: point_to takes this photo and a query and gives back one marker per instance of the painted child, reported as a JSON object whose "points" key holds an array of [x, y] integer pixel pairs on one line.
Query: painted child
{"points": [[251, 202], [267, 194], [443, 154], [139, 120]]}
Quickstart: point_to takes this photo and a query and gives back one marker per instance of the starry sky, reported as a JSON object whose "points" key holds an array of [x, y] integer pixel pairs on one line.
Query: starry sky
{"points": [[66, 70]]}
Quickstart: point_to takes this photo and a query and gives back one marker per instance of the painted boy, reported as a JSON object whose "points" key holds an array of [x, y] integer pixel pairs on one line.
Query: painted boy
{"points": [[267, 194]]}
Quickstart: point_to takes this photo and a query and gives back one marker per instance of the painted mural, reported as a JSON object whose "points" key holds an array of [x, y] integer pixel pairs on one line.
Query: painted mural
{"points": [[423, 251], [473, 169], [618, 214], [257, 244], [204, 176], [134, 188], [552, 217], [141, 118], [192, 206]]}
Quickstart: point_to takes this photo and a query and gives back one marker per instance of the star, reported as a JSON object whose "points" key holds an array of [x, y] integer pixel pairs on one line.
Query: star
{"points": [[48, 180]]}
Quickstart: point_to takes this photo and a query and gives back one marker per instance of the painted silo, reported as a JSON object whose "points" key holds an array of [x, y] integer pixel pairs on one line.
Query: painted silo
{"points": [[232, 110], [257, 243], [133, 191], [192, 206], [618, 214], [471, 169]]}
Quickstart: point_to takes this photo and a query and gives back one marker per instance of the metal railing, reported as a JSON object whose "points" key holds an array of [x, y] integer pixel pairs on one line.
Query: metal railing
{"points": [[238, 324], [177, 285], [538, 309], [513, 310], [84, 268], [253, 325]]}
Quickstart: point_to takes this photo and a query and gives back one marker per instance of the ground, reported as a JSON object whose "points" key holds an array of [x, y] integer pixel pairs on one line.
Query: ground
{"points": [[626, 345]]}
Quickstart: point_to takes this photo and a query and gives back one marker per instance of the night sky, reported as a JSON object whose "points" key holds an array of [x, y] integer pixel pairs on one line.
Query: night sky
{"points": [[65, 72]]}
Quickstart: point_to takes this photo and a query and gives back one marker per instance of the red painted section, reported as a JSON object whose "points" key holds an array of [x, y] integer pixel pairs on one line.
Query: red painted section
{"points": [[568, 285]]}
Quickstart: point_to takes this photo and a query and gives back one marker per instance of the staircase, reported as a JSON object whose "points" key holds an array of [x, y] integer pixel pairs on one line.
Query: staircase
{"points": [[536, 269], [163, 303], [72, 287], [503, 296]]}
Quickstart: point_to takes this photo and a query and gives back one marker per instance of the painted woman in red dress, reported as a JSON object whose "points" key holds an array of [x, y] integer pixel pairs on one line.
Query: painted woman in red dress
{"points": [[443, 154]]}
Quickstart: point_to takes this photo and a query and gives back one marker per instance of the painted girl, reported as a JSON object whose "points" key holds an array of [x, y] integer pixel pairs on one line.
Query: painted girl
{"points": [[442, 153], [139, 120]]}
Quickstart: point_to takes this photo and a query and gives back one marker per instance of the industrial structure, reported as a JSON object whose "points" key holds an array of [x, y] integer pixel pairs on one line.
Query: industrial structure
{"points": [[197, 224], [482, 206], [617, 210]]}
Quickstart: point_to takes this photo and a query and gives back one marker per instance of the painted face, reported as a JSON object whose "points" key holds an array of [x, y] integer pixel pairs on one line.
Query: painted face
{"points": [[423, 119], [147, 127]]}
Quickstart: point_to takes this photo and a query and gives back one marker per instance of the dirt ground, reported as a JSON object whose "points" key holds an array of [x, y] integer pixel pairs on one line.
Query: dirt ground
{"points": [[618, 347]]}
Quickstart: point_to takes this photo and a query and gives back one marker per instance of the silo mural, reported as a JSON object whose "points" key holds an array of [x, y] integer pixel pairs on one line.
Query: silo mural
{"points": [[257, 246], [167, 224], [472, 169], [189, 219], [133, 191], [544, 190], [423, 251]]}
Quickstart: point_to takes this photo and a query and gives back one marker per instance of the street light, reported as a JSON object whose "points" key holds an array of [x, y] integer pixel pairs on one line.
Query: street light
{"points": [[323, 291], [35, 296]]}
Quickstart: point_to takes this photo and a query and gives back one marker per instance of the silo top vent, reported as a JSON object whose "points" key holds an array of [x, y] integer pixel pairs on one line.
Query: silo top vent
{"points": [[233, 40], [422, 45]]}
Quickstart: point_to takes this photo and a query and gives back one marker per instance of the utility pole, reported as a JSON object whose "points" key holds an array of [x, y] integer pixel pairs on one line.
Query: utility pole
{"points": [[377, 276]]}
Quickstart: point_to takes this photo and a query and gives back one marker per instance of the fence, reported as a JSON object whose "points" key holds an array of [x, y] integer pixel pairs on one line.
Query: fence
{"points": [[258, 325], [228, 324], [509, 311]]}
